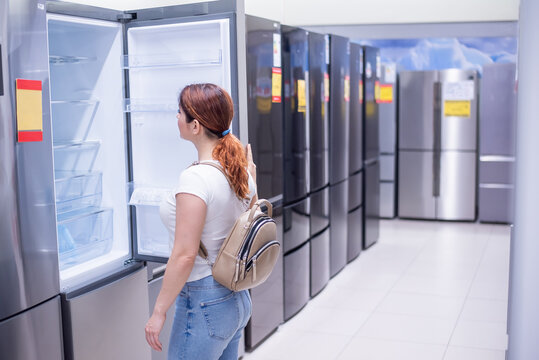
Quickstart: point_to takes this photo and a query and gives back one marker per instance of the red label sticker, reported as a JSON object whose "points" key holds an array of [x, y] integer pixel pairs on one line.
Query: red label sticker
{"points": [[29, 136], [23, 84], [326, 87]]}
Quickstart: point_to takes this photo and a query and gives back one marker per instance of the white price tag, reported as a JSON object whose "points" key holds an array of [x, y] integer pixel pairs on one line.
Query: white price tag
{"points": [[462, 90], [277, 50]]}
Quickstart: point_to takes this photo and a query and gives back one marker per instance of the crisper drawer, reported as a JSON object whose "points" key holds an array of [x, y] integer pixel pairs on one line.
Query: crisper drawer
{"points": [[77, 190], [83, 235], [496, 170], [76, 156]]}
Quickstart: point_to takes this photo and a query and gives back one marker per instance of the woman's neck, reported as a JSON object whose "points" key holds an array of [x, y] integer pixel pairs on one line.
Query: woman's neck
{"points": [[205, 149]]}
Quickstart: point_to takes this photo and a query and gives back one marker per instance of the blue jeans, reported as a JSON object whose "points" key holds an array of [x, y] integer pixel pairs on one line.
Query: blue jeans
{"points": [[208, 321]]}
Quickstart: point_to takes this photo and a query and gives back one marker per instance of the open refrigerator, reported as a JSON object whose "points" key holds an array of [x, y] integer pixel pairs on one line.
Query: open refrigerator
{"points": [[115, 78]]}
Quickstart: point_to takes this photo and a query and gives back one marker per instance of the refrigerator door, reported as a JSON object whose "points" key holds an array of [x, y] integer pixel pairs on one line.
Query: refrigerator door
{"points": [[459, 110], [355, 234], [296, 224], [296, 114], [319, 210], [387, 200], [371, 228], [416, 185], [417, 110], [164, 56], [319, 114], [154, 287], [33, 334], [457, 186], [387, 107], [29, 253], [319, 262], [356, 108], [339, 118], [338, 226], [264, 82], [296, 280], [496, 203], [371, 88]]}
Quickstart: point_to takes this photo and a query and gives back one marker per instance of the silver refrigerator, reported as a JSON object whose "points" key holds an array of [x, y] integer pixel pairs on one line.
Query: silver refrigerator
{"points": [[497, 143], [437, 144], [30, 315]]}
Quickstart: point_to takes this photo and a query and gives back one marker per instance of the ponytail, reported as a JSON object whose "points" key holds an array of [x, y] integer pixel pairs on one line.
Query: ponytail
{"points": [[230, 153]]}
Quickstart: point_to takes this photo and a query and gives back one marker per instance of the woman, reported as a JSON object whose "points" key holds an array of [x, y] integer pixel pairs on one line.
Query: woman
{"points": [[209, 318]]}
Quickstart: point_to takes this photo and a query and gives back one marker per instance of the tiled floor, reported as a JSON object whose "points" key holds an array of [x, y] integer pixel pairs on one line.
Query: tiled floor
{"points": [[425, 291]]}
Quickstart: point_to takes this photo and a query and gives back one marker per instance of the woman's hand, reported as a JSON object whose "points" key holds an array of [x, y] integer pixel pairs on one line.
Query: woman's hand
{"points": [[152, 330], [251, 167]]}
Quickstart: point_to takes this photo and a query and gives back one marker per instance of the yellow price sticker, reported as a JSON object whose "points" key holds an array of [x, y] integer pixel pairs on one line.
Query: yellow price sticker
{"points": [[460, 108], [276, 81], [347, 88], [302, 104]]}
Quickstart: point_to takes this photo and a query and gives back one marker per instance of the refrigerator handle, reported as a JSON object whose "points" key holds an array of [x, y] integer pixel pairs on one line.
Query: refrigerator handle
{"points": [[437, 137], [1, 71]]}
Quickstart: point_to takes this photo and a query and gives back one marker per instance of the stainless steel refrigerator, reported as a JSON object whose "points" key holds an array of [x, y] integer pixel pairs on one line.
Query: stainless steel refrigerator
{"points": [[296, 208], [319, 145], [497, 131], [265, 113], [372, 73], [30, 314], [109, 124], [339, 127], [437, 144], [355, 180], [387, 107]]}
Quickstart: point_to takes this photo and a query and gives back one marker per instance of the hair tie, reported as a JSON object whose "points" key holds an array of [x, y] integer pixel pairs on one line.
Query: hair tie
{"points": [[225, 132]]}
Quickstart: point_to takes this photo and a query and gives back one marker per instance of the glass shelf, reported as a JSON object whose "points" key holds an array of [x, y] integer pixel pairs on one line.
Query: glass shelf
{"points": [[66, 59], [189, 58], [84, 235], [75, 156], [72, 119], [76, 190], [146, 195], [136, 105]]}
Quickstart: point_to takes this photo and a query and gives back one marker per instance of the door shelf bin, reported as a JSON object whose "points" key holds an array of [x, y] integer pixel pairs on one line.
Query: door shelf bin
{"points": [[75, 156], [72, 119], [152, 235], [207, 57], [84, 235], [69, 59], [77, 190]]}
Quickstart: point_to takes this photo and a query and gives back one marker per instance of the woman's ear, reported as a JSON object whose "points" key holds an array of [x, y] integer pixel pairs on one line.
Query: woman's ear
{"points": [[196, 127]]}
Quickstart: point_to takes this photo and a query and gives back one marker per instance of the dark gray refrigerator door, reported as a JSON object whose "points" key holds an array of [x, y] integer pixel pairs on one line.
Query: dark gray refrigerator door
{"points": [[371, 227], [319, 210], [416, 109], [387, 109], [371, 82], [29, 256], [264, 110], [339, 118], [416, 185], [356, 108], [296, 280], [319, 103], [458, 110], [497, 110], [457, 186], [319, 262], [338, 195], [35, 334]]}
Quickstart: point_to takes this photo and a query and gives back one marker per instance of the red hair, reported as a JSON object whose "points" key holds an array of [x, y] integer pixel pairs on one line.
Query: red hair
{"points": [[212, 106]]}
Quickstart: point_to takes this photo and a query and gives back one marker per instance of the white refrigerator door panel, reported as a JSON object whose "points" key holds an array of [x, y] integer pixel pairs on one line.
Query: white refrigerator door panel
{"points": [[457, 186], [162, 60]]}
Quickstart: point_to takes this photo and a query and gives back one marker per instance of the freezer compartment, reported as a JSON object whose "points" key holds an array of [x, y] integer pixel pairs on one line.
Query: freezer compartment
{"points": [[296, 224], [416, 185], [496, 203], [72, 119], [83, 235], [387, 200], [496, 170], [387, 167], [319, 210], [268, 298], [76, 156], [355, 234], [34, 334], [77, 190], [108, 322], [296, 280], [355, 191], [319, 262], [339, 226], [152, 237]]}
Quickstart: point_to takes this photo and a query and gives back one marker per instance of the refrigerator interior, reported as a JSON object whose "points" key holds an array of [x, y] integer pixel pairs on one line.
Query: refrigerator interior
{"points": [[88, 127], [164, 58]]}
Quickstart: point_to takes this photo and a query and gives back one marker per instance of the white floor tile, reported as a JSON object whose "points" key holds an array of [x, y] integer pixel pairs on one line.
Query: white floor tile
{"points": [[422, 305], [460, 353], [494, 289], [316, 346], [482, 335], [349, 299], [485, 310], [408, 328], [430, 285], [374, 349]]}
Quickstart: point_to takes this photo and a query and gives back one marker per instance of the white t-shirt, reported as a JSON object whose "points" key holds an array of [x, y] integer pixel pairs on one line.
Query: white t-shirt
{"points": [[223, 208]]}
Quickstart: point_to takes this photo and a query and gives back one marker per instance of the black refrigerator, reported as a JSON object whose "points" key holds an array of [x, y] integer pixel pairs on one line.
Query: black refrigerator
{"points": [[264, 82], [296, 209], [371, 154], [339, 126], [319, 143], [355, 181]]}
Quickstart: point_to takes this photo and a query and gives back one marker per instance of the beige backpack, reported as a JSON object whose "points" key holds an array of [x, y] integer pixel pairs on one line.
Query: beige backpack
{"points": [[250, 250]]}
